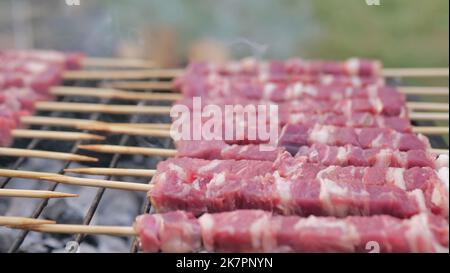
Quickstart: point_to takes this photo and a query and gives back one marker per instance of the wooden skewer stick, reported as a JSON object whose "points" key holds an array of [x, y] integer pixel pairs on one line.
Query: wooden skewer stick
{"points": [[440, 151], [22, 221], [426, 91], [84, 123], [434, 106], [54, 121], [171, 73], [168, 86], [428, 116], [136, 131], [113, 94], [160, 126], [113, 172], [54, 135], [80, 229], [69, 180], [136, 109], [113, 149], [116, 63], [430, 130], [88, 182], [164, 131], [101, 108], [23, 174], [142, 85], [130, 150], [121, 75], [128, 95], [415, 72], [34, 194], [45, 154], [76, 123]]}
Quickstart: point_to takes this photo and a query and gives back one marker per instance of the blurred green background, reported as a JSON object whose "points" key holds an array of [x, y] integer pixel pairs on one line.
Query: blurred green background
{"points": [[400, 32]]}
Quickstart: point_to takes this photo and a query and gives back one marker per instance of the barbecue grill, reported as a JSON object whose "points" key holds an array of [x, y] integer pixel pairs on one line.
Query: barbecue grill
{"points": [[111, 161]]}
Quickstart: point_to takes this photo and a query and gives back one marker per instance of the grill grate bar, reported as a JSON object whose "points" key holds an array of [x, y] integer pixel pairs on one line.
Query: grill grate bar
{"points": [[34, 142], [41, 205], [113, 163]]}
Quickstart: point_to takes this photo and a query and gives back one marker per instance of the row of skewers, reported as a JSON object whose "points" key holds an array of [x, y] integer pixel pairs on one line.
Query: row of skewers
{"points": [[210, 229]]}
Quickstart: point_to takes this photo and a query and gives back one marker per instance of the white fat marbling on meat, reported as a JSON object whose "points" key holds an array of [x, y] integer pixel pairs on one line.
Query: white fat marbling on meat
{"points": [[424, 139], [420, 199], [383, 158], [379, 121], [213, 78], [442, 161], [313, 155], [325, 171], [244, 149], [320, 134], [352, 65], [396, 138], [395, 176], [257, 229], [347, 107], [374, 98], [329, 188], [263, 76], [443, 176], [401, 158], [180, 171], [377, 104], [228, 148], [196, 184], [218, 179], [356, 81], [295, 118], [336, 96], [159, 177], [268, 90], [294, 91], [314, 222], [377, 141], [210, 166], [206, 222], [342, 154], [348, 243], [436, 197], [327, 79], [36, 67], [349, 91], [420, 237], [311, 90], [327, 152], [283, 189]]}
